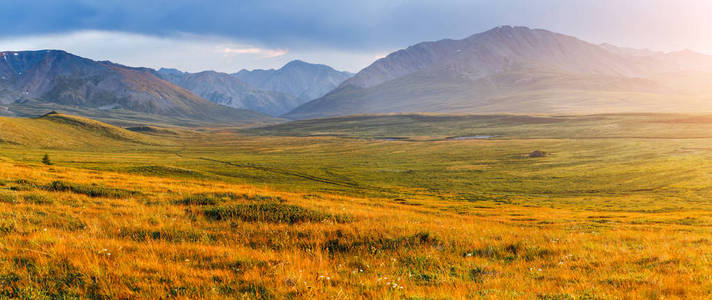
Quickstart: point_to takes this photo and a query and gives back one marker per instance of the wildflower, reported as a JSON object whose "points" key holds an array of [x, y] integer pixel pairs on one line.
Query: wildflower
{"points": [[539, 269]]}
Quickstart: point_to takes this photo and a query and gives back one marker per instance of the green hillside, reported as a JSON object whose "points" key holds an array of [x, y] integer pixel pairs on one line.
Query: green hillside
{"points": [[61, 131]]}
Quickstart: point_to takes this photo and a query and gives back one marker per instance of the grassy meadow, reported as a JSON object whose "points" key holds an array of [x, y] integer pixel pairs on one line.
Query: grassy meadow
{"points": [[397, 206]]}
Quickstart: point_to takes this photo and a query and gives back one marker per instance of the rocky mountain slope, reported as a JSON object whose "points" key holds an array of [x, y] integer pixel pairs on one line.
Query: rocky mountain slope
{"points": [[56, 77], [520, 70]]}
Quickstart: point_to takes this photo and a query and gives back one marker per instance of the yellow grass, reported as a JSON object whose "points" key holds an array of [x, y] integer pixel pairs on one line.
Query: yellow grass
{"points": [[150, 247]]}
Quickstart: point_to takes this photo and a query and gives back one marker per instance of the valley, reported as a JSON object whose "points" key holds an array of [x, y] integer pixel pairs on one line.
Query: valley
{"points": [[515, 163], [375, 206]]}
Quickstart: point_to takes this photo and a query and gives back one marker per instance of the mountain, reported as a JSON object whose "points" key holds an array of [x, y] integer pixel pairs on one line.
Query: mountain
{"points": [[302, 80], [60, 79], [519, 70], [230, 91]]}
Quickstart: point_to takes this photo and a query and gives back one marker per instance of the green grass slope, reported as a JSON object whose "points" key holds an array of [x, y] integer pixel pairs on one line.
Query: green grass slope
{"points": [[55, 130]]}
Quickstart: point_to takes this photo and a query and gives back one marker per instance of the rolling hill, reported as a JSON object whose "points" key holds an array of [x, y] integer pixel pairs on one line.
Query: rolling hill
{"points": [[37, 78], [521, 70], [61, 131]]}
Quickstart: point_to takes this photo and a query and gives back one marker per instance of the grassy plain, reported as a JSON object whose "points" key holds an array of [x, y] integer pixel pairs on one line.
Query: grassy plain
{"points": [[354, 207]]}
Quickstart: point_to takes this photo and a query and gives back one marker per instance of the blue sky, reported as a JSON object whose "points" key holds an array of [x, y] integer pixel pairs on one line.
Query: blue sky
{"points": [[229, 35]]}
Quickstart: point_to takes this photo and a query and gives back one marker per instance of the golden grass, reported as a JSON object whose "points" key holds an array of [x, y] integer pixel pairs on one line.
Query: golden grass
{"points": [[149, 245]]}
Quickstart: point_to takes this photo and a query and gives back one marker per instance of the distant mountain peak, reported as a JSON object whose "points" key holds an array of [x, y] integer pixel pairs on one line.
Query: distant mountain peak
{"points": [[302, 80], [296, 62]]}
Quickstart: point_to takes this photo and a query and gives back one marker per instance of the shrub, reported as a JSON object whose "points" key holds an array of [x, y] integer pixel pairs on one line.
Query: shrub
{"points": [[8, 197], [22, 185], [204, 199], [477, 274], [348, 244], [45, 160], [511, 252], [38, 199], [270, 212], [89, 190]]}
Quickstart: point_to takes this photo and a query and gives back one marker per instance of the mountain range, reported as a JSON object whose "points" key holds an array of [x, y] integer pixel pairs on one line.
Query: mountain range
{"points": [[521, 70], [272, 92], [503, 70], [57, 79], [224, 89]]}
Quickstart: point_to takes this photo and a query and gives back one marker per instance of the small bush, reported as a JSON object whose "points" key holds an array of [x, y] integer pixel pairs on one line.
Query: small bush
{"points": [[270, 212], [38, 199], [6, 227], [511, 252], [89, 190], [46, 160], [477, 274], [426, 279], [22, 185], [8, 197], [351, 244], [173, 235], [204, 199]]}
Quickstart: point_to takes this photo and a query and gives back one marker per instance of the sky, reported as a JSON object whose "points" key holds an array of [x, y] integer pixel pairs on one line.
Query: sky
{"points": [[229, 35]]}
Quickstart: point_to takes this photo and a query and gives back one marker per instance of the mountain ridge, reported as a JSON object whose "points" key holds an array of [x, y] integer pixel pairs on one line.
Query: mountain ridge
{"points": [[227, 90], [59, 77], [302, 80], [487, 72]]}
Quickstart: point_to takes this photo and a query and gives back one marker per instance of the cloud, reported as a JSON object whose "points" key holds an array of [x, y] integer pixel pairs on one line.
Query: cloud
{"points": [[265, 53], [188, 52], [347, 31]]}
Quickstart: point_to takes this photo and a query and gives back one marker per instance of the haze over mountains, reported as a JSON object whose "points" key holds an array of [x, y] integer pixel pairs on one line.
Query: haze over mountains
{"points": [[302, 80], [503, 70], [227, 90], [273, 92], [521, 70]]}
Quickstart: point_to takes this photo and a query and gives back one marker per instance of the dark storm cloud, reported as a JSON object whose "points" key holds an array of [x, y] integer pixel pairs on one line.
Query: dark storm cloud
{"points": [[360, 24], [332, 31]]}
